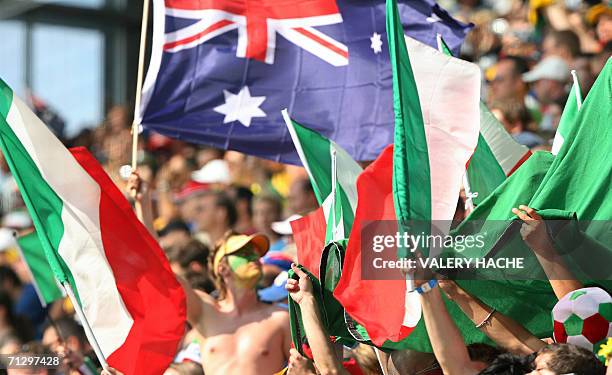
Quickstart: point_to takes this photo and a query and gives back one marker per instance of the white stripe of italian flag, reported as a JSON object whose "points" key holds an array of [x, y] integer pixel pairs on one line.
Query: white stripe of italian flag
{"points": [[93, 241], [497, 154], [496, 157], [508, 153]]}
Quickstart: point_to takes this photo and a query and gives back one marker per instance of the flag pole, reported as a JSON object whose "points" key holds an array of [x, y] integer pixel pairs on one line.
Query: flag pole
{"points": [[60, 336], [141, 56], [576, 89], [439, 42], [333, 193], [380, 361], [88, 331]]}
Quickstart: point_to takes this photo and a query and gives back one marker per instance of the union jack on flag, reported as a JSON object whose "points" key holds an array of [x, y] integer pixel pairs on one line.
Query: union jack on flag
{"points": [[258, 23], [222, 70]]}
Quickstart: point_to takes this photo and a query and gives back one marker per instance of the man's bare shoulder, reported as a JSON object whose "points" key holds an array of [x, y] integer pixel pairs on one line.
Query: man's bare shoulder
{"points": [[210, 310], [278, 314]]}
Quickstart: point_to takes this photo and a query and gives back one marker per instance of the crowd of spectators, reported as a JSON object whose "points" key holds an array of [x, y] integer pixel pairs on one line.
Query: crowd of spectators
{"points": [[194, 198]]}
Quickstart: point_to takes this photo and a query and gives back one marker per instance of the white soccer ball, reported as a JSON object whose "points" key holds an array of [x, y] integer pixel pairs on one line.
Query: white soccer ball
{"points": [[583, 318]]}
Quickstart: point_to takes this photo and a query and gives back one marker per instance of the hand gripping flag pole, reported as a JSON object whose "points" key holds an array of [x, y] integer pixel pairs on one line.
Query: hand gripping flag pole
{"points": [[141, 56]]}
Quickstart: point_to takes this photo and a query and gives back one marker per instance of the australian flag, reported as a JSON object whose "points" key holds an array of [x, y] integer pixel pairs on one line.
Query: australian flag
{"points": [[221, 71]]}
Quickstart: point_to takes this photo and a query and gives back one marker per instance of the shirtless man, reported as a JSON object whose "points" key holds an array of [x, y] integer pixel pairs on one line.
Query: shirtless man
{"points": [[240, 334]]}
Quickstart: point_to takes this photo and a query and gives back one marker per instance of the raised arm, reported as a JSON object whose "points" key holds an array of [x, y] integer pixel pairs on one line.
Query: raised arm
{"points": [[504, 331], [446, 340], [322, 349], [536, 237], [166, 208], [200, 306], [201, 311], [143, 206], [194, 303]]}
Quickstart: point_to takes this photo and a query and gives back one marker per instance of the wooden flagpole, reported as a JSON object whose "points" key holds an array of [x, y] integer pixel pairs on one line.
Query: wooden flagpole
{"points": [[139, 78]]}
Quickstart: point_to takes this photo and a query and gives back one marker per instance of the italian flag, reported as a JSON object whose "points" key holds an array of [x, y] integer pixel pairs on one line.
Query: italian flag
{"points": [[317, 156], [437, 120], [497, 154], [94, 242], [333, 174]]}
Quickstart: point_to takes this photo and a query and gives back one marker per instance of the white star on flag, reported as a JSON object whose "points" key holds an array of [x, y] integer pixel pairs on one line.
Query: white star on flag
{"points": [[376, 43], [242, 107]]}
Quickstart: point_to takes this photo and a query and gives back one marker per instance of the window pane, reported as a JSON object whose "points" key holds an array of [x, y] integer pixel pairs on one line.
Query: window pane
{"points": [[12, 65], [67, 73], [79, 3]]}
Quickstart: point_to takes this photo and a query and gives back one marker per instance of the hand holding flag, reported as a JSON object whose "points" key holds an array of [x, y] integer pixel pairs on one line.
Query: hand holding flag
{"points": [[535, 234], [136, 187], [533, 229], [301, 288], [419, 274]]}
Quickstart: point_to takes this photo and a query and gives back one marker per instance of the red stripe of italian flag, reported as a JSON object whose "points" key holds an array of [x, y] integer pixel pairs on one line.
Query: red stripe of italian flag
{"points": [[93, 241]]}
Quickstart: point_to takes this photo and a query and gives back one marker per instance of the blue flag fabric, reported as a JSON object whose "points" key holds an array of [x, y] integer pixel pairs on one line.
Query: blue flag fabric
{"points": [[221, 71]]}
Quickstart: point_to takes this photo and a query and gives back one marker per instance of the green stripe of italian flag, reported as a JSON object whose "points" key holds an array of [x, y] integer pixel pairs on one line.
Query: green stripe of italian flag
{"points": [[93, 241]]}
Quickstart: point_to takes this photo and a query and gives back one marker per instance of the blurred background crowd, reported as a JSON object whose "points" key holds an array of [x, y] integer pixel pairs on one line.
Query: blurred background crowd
{"points": [[525, 49]]}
